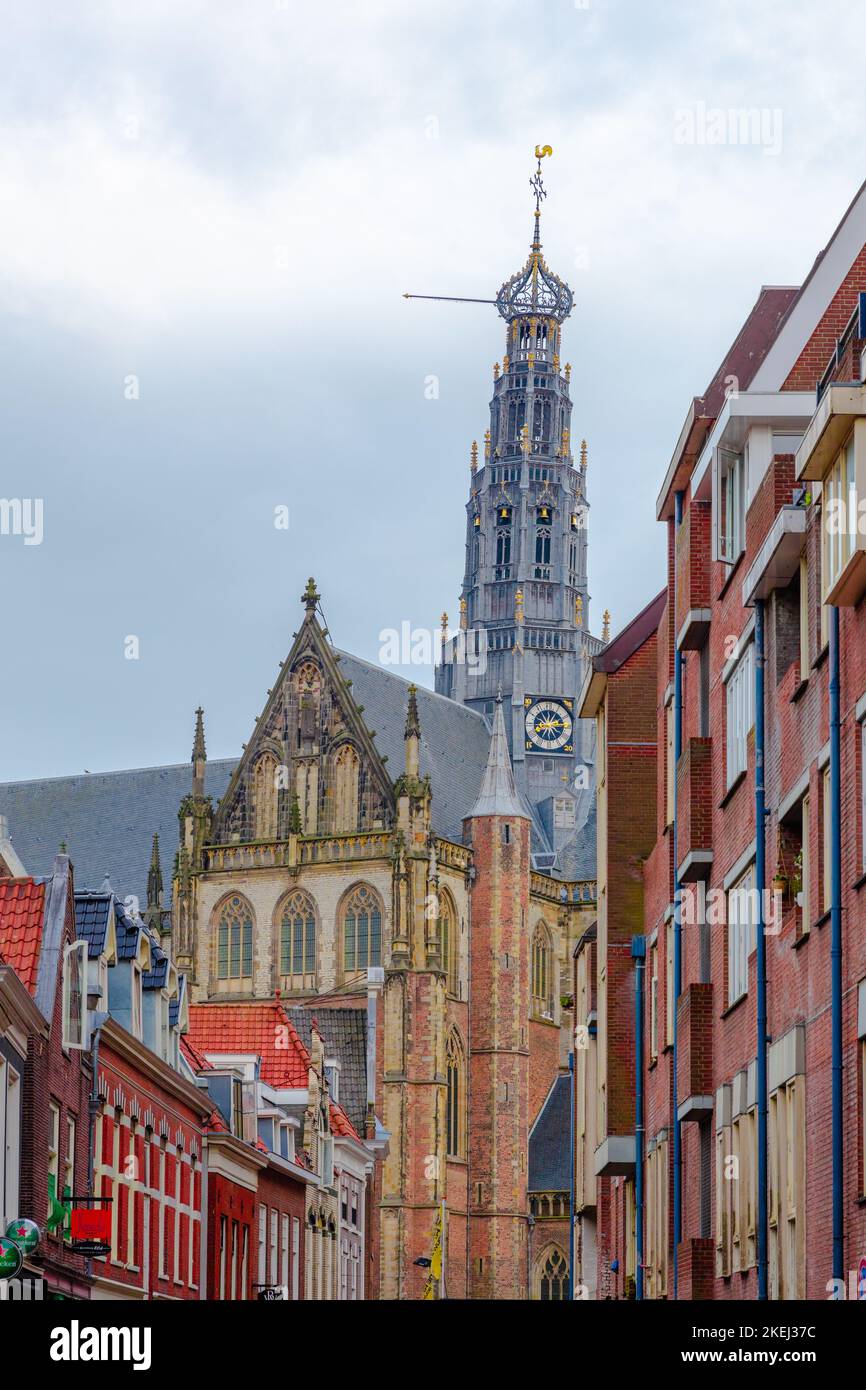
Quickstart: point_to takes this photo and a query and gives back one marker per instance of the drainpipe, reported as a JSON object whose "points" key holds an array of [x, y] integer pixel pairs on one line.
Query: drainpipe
{"points": [[571, 1193], [761, 944], [836, 942], [97, 1020], [678, 924], [638, 951]]}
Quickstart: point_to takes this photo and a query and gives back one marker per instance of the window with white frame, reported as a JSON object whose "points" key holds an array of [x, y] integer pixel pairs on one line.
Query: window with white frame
{"points": [[654, 1001], [742, 917], [863, 795], [263, 1245], [839, 516], [69, 1166], [273, 1274], [827, 837], [10, 1142], [730, 504], [670, 995], [284, 1252], [136, 1000], [74, 989], [296, 1254], [740, 712], [53, 1154]]}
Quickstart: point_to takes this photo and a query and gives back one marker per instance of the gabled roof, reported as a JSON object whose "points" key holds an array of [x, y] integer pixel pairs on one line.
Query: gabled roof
{"points": [[258, 1029], [609, 660], [263, 1030], [22, 908], [741, 363], [344, 1033], [108, 819], [550, 1142], [197, 1060]]}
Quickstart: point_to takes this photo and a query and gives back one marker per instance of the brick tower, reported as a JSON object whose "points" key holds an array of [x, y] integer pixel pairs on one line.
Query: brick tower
{"points": [[499, 1003], [414, 1038]]}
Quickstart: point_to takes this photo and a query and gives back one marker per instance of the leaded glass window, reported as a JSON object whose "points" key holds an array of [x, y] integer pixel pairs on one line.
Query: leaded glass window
{"points": [[298, 942], [235, 940], [362, 931]]}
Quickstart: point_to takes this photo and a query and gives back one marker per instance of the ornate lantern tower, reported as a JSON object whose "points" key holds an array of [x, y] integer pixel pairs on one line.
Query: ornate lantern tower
{"points": [[524, 601]]}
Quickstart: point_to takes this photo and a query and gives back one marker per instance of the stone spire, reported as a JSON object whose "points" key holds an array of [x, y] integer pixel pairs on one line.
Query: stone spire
{"points": [[498, 794], [154, 878], [199, 754], [412, 735]]}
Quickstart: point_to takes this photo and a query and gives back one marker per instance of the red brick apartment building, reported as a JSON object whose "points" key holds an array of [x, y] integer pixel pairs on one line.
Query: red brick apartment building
{"points": [[707, 1167]]}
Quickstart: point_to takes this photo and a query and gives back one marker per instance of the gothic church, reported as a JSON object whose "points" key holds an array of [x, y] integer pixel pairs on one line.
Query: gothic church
{"points": [[428, 858]]}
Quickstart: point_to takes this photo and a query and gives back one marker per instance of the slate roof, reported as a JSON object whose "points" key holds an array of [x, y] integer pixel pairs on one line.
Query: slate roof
{"points": [[91, 921], [455, 740], [107, 819], [344, 1032], [262, 1030], [550, 1142], [22, 908]]}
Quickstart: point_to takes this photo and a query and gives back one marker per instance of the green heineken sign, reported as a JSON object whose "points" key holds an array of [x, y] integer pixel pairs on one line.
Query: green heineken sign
{"points": [[25, 1233], [11, 1258]]}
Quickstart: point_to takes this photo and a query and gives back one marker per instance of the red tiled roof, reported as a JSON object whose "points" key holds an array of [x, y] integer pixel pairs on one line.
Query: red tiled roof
{"points": [[253, 1029], [196, 1059], [22, 905], [341, 1125]]}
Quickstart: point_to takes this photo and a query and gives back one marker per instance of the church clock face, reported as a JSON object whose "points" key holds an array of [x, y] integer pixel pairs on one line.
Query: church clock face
{"points": [[548, 724]]}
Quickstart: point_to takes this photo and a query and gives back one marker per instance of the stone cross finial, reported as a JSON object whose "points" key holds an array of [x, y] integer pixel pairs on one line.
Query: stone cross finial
{"points": [[310, 596], [605, 631]]}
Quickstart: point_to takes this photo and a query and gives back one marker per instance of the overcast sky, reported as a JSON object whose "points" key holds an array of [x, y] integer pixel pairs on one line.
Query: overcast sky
{"points": [[219, 205]]}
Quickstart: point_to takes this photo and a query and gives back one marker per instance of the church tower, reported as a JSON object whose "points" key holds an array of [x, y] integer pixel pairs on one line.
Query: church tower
{"points": [[499, 1013], [524, 604]]}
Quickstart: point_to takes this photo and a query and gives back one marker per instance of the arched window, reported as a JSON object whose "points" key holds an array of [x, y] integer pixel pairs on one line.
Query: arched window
{"points": [[347, 767], [448, 950], [362, 930], [455, 1072], [235, 940], [298, 942], [265, 798], [551, 1276], [503, 547], [542, 971], [542, 545]]}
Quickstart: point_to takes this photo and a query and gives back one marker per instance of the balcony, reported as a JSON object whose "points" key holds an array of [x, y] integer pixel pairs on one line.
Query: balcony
{"points": [[778, 560], [695, 810], [695, 1051], [693, 576]]}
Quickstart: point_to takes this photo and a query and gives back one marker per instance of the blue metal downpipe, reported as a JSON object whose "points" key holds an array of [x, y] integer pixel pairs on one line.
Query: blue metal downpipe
{"points": [[678, 926], [638, 951], [571, 1193], [836, 943], [761, 945]]}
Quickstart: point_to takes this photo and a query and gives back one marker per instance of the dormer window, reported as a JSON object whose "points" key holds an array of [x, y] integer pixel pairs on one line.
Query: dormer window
{"points": [[135, 1002], [74, 1003]]}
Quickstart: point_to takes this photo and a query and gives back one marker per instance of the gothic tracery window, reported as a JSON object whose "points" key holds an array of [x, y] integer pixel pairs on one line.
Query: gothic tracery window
{"points": [[542, 971], [551, 1276], [455, 1072], [362, 930], [347, 768], [235, 940], [298, 942], [265, 797], [448, 950]]}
